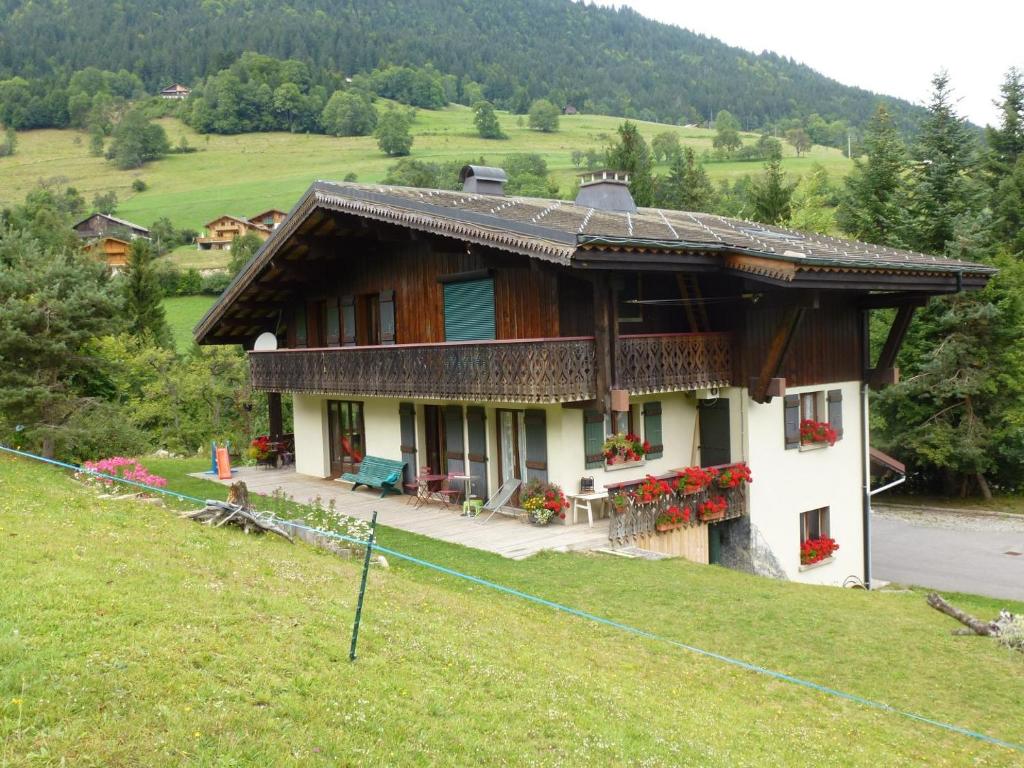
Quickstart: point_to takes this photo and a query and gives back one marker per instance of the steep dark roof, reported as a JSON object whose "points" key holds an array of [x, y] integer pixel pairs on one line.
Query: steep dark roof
{"points": [[114, 219], [563, 232]]}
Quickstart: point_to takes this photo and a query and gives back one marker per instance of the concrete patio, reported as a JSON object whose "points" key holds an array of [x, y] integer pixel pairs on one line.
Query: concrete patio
{"points": [[502, 535]]}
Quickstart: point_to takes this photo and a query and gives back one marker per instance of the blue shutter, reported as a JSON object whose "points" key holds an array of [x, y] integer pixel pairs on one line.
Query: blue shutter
{"points": [[469, 310], [593, 438], [455, 448], [652, 429], [476, 429], [835, 411], [791, 420]]}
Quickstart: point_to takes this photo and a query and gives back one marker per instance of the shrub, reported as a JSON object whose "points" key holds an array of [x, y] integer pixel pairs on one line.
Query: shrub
{"points": [[190, 283], [215, 283], [139, 185]]}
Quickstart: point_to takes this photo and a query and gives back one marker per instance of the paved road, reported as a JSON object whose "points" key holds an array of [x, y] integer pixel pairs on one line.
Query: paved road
{"points": [[954, 552]]}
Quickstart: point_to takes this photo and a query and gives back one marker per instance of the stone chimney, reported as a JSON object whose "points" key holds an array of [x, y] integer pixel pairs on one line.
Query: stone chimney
{"points": [[606, 191], [483, 180]]}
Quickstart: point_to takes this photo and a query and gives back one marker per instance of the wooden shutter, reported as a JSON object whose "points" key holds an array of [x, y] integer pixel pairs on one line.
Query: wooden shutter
{"points": [[652, 429], [476, 428], [469, 310], [455, 447], [332, 323], [407, 424], [535, 426], [348, 321], [301, 331], [314, 324], [593, 438], [387, 316], [791, 420], [835, 411]]}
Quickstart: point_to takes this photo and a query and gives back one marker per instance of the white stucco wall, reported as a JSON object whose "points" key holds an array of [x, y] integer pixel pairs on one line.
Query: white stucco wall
{"points": [[310, 424], [788, 482]]}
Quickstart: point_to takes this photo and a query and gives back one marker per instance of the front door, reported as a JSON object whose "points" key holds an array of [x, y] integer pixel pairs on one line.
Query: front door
{"points": [[715, 448], [511, 448], [346, 436]]}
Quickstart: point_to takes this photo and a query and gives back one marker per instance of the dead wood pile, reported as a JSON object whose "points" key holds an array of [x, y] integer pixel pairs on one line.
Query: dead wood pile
{"points": [[1007, 627], [238, 511]]}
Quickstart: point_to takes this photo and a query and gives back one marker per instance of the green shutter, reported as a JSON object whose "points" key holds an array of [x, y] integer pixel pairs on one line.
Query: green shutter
{"points": [[535, 426], [835, 411], [652, 429], [593, 438], [469, 310]]}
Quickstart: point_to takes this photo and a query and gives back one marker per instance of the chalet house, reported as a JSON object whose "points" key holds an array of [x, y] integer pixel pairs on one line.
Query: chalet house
{"points": [[507, 337], [222, 230], [113, 250], [270, 218], [176, 91], [101, 224]]}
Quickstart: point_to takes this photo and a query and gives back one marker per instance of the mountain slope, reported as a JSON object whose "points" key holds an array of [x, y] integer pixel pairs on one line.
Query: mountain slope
{"points": [[612, 61]]}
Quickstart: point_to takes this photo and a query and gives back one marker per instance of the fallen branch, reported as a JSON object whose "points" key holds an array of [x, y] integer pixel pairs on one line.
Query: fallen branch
{"points": [[237, 510], [1007, 628]]}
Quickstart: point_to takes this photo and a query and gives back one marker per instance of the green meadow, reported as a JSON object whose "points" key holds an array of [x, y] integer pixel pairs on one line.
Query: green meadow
{"points": [[247, 173], [131, 637]]}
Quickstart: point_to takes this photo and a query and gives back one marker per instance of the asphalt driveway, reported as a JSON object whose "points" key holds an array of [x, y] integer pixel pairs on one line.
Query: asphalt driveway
{"points": [[949, 551]]}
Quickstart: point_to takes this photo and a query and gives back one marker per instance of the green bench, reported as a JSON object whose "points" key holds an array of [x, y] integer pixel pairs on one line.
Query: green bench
{"points": [[375, 472]]}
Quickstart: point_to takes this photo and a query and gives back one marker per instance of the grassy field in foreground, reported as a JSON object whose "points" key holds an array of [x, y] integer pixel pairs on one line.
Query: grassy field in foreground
{"points": [[183, 312], [131, 637], [244, 174]]}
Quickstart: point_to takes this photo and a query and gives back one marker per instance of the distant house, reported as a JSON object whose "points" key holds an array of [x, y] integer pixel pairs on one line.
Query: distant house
{"points": [[176, 91], [222, 230], [570, 110], [269, 218], [100, 224], [114, 251]]}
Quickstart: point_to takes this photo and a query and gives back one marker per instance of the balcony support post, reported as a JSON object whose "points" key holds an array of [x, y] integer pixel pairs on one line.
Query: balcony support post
{"points": [[605, 340], [777, 353]]}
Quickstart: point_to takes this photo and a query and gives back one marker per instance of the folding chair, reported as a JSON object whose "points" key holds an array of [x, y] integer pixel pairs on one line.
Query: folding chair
{"points": [[446, 493], [500, 498]]}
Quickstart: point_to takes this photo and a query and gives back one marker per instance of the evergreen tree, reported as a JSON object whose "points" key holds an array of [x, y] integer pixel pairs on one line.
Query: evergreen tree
{"points": [[771, 195], [143, 298], [687, 186], [543, 116], [631, 154], [940, 187], [486, 121], [1006, 142], [393, 136], [811, 211], [871, 208]]}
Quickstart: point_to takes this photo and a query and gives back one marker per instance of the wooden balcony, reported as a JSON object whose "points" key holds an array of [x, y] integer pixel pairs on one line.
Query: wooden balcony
{"points": [[518, 371], [673, 362]]}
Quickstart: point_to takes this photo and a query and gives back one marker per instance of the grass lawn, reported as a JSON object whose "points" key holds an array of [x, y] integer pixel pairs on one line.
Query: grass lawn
{"points": [[189, 257], [130, 637], [247, 173], [183, 312]]}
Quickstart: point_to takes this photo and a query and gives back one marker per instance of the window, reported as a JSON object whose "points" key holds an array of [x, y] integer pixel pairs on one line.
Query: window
{"points": [[631, 292], [820, 406], [814, 524], [469, 310], [809, 406], [300, 326]]}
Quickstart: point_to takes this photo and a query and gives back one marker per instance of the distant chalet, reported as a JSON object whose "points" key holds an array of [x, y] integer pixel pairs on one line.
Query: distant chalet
{"points": [[100, 224], [222, 230], [176, 91]]}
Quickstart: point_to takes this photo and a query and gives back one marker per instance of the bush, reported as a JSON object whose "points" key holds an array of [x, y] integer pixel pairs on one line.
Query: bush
{"points": [[139, 185], [190, 283], [168, 276], [99, 429], [215, 283]]}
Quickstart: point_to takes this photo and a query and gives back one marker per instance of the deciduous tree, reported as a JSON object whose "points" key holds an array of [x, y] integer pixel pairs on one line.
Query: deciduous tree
{"points": [[543, 116]]}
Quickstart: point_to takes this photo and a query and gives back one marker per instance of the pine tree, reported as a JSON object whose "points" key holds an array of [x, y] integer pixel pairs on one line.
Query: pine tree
{"points": [[143, 305], [940, 187], [1006, 142], [811, 211], [630, 154], [772, 194], [871, 209], [687, 186]]}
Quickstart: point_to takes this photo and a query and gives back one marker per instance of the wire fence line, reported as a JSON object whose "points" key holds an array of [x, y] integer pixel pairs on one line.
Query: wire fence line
{"points": [[586, 615]]}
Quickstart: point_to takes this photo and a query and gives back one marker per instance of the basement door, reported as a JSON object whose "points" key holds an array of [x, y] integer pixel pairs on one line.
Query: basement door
{"points": [[715, 448]]}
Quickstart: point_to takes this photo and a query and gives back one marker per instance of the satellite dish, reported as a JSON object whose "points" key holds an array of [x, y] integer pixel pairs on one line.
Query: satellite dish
{"points": [[265, 342]]}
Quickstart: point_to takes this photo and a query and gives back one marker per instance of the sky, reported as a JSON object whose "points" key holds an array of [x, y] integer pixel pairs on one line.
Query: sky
{"points": [[892, 47]]}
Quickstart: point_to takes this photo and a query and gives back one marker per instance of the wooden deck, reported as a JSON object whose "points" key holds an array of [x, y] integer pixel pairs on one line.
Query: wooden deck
{"points": [[503, 535]]}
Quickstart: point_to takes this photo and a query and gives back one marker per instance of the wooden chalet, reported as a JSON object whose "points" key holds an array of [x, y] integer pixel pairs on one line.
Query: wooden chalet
{"points": [[113, 250], [177, 91], [269, 218], [99, 224], [222, 230], [507, 337]]}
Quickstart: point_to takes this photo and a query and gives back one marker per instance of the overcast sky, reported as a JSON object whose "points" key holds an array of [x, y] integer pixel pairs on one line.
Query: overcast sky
{"points": [[891, 47]]}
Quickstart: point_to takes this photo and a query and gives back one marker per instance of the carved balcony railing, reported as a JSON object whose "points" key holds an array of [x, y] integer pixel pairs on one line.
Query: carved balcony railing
{"points": [[670, 362], [521, 371]]}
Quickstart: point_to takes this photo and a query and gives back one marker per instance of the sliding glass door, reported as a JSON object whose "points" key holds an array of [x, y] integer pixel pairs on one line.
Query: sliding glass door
{"points": [[346, 435]]}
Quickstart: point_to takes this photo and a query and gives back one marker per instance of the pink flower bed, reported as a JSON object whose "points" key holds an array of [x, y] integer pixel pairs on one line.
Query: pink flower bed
{"points": [[129, 469]]}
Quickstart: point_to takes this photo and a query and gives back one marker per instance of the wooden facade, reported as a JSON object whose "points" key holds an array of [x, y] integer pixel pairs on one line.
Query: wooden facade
{"points": [[222, 230], [114, 251]]}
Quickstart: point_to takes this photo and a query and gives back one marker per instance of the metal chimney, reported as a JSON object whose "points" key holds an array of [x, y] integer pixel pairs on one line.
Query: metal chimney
{"points": [[605, 191], [483, 179]]}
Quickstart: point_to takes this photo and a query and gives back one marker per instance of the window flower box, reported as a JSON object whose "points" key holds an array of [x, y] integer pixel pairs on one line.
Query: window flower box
{"points": [[673, 518], [713, 509], [813, 551], [817, 433], [623, 451]]}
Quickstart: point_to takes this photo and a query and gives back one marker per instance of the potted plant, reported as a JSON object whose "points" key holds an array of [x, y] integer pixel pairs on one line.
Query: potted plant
{"points": [[619, 502], [673, 518], [621, 451], [694, 479], [817, 433], [543, 501], [815, 550], [713, 509], [650, 490], [734, 476], [261, 450]]}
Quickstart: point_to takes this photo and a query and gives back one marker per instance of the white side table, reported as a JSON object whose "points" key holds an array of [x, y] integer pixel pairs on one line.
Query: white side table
{"points": [[586, 501]]}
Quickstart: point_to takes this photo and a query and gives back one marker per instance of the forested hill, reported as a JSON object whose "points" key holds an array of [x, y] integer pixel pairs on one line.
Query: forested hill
{"points": [[599, 59]]}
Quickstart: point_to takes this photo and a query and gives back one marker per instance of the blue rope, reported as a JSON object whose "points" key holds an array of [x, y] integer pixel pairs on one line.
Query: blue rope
{"points": [[871, 703]]}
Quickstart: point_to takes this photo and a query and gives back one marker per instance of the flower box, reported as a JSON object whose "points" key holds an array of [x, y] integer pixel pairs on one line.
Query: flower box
{"points": [[623, 465], [710, 517], [666, 527], [817, 433], [816, 564]]}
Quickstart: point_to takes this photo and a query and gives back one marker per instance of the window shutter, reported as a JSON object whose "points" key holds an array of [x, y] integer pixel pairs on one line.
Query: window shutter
{"points": [[469, 310], [332, 323], [387, 316], [407, 425], [477, 454], [455, 446], [791, 420], [835, 411], [652, 429], [593, 438], [348, 321], [535, 426], [301, 332]]}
